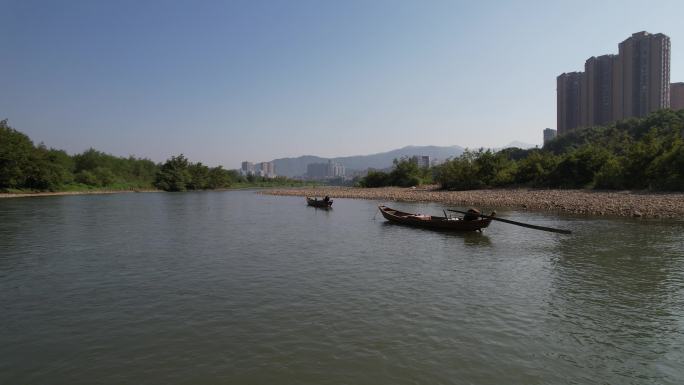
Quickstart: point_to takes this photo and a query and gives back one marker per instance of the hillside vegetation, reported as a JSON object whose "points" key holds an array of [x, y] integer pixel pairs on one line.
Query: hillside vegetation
{"points": [[25, 166], [643, 154]]}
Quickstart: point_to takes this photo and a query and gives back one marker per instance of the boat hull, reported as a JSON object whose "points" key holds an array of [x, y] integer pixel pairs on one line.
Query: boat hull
{"points": [[433, 222], [319, 203]]}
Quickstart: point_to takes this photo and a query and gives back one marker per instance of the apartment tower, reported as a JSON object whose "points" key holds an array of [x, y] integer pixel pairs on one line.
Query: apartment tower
{"points": [[645, 74], [677, 96], [597, 94], [632, 83], [568, 102]]}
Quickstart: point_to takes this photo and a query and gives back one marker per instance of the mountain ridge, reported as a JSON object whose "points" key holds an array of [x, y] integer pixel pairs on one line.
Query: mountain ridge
{"points": [[296, 166]]}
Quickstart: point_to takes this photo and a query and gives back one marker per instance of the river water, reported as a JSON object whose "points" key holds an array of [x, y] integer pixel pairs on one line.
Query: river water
{"points": [[242, 288]]}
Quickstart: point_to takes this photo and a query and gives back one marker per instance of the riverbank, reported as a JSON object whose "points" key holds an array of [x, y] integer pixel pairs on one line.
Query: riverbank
{"points": [[604, 203], [29, 194], [60, 193]]}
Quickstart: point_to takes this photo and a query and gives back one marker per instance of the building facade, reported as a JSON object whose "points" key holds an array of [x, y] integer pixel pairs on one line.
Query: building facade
{"points": [[597, 90], [568, 87], [335, 170], [325, 170], [247, 168], [267, 169], [264, 169], [644, 74], [632, 83], [677, 96], [549, 135], [423, 161]]}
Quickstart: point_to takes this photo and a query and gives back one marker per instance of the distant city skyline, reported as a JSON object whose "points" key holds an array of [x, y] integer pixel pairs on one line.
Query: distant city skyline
{"points": [[222, 82]]}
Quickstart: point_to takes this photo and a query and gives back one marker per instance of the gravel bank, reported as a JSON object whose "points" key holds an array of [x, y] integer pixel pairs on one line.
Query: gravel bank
{"points": [[605, 203]]}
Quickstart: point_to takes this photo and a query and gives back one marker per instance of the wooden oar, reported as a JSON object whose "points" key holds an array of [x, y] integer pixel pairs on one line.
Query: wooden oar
{"points": [[529, 226]]}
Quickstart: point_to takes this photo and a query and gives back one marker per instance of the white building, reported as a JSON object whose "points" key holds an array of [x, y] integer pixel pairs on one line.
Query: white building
{"points": [[423, 161], [263, 169]]}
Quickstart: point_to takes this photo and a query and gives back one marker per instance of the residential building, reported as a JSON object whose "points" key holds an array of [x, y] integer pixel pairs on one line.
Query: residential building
{"points": [[422, 161], [632, 83], [263, 169], [335, 170], [267, 169], [597, 94], [644, 74], [247, 168], [677, 96], [325, 170], [549, 134], [568, 87]]}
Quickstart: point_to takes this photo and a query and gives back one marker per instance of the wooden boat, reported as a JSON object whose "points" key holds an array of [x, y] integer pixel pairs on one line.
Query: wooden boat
{"points": [[321, 203], [435, 222]]}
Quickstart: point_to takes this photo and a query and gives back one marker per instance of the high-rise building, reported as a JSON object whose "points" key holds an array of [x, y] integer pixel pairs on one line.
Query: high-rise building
{"points": [[335, 170], [644, 74], [325, 170], [568, 101], [677, 96], [549, 134], [267, 169], [632, 83], [247, 168], [597, 95]]}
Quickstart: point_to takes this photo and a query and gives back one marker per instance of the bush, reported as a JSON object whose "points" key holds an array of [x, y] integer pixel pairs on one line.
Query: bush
{"points": [[578, 167], [459, 174], [611, 175], [173, 174], [86, 177], [375, 179]]}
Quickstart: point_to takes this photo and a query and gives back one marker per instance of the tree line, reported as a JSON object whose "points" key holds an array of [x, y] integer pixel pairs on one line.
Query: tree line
{"points": [[25, 166], [644, 154]]}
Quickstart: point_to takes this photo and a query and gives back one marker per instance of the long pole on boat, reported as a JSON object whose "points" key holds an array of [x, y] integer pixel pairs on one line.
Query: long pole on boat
{"points": [[529, 226]]}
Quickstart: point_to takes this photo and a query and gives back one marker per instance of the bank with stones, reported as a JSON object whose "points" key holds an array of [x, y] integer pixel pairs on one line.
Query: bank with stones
{"points": [[590, 202]]}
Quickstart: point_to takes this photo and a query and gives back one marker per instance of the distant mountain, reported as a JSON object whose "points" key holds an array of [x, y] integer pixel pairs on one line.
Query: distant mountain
{"points": [[522, 145], [297, 166]]}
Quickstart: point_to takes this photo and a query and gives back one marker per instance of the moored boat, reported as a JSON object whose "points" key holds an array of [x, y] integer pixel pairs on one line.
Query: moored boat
{"points": [[321, 203], [468, 223]]}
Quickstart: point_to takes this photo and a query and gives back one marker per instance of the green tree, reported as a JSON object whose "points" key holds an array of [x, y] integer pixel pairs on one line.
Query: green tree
{"points": [[405, 173], [536, 168], [579, 167], [173, 175], [16, 152], [48, 169], [460, 173], [199, 176], [375, 179], [611, 175], [666, 171]]}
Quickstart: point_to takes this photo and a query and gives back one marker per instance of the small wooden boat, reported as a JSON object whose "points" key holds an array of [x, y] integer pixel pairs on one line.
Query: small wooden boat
{"points": [[468, 223], [321, 203]]}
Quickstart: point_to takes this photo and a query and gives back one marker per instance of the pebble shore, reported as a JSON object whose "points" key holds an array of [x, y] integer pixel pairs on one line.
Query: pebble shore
{"points": [[588, 202]]}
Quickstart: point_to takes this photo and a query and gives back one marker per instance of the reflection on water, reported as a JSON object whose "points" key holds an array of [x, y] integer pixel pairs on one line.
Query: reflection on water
{"points": [[235, 287], [470, 238], [632, 276]]}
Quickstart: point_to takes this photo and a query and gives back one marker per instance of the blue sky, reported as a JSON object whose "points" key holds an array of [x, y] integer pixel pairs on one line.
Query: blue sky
{"points": [[226, 81]]}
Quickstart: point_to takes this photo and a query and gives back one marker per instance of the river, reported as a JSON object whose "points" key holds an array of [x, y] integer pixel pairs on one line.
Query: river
{"points": [[241, 288]]}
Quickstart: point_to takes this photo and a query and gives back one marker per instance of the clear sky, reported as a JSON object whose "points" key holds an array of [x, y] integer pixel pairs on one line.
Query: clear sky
{"points": [[226, 81]]}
